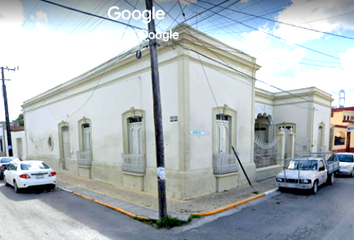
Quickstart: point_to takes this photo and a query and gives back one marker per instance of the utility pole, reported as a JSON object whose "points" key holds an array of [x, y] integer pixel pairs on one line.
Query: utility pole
{"points": [[8, 130], [160, 155]]}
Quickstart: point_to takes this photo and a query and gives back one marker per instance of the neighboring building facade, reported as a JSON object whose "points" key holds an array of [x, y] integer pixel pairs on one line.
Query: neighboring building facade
{"points": [[17, 139], [342, 129], [304, 113]]}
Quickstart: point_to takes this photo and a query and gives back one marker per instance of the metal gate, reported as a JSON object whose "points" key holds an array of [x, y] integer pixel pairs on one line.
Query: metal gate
{"points": [[302, 147], [265, 154]]}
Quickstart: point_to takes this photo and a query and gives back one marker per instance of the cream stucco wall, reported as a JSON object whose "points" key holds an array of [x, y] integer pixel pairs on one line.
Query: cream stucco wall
{"points": [[126, 84], [115, 94]]}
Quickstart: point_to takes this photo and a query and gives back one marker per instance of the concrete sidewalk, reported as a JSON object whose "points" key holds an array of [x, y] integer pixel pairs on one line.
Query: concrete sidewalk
{"points": [[146, 204]]}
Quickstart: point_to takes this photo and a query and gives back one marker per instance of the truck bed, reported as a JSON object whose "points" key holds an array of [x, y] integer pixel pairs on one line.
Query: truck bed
{"points": [[332, 166]]}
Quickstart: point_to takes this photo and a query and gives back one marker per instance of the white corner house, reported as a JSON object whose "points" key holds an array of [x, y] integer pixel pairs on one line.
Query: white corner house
{"points": [[99, 125]]}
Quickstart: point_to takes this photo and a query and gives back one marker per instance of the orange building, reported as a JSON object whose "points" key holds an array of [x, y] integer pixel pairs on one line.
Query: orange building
{"points": [[342, 129]]}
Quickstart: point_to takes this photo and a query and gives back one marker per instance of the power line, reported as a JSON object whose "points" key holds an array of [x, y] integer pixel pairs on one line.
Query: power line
{"points": [[95, 21], [270, 34], [227, 65], [246, 83], [206, 10], [284, 23], [340, 15], [93, 15], [282, 60], [238, 71], [217, 105], [108, 64], [292, 68], [83, 18], [66, 17], [29, 15]]}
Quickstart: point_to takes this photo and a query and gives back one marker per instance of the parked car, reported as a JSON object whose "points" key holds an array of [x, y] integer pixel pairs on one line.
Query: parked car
{"points": [[346, 163], [4, 162], [28, 174], [308, 173]]}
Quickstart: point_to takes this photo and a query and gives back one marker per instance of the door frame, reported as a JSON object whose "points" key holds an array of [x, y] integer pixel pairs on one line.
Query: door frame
{"points": [[61, 145], [348, 142]]}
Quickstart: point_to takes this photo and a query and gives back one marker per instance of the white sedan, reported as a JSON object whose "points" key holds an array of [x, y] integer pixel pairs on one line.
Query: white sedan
{"points": [[346, 163], [29, 173]]}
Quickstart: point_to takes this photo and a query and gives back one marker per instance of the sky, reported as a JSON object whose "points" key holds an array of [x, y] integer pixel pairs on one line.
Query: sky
{"points": [[52, 45]]}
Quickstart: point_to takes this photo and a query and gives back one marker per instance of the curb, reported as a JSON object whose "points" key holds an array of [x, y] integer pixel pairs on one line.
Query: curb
{"points": [[64, 189], [107, 205], [223, 209], [203, 214]]}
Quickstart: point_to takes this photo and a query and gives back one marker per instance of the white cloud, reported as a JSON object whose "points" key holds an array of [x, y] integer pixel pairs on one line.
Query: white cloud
{"points": [[47, 59], [273, 60], [307, 13], [42, 15], [328, 79]]}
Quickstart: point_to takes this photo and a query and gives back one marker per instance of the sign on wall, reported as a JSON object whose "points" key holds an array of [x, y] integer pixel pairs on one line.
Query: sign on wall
{"points": [[173, 119], [350, 129], [197, 132]]}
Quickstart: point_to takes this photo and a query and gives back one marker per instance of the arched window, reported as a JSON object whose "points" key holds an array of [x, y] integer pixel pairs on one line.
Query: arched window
{"points": [[224, 137], [223, 125], [135, 135], [85, 135], [133, 157], [339, 138]]}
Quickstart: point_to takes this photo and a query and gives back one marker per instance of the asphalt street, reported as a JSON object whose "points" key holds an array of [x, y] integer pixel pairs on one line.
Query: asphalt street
{"points": [[290, 215], [36, 215]]}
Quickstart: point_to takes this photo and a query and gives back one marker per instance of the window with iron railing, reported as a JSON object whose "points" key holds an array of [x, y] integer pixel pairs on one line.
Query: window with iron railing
{"points": [[133, 158], [224, 161]]}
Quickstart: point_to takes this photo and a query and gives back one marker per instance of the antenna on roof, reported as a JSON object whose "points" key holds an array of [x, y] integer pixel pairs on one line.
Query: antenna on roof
{"points": [[341, 97]]}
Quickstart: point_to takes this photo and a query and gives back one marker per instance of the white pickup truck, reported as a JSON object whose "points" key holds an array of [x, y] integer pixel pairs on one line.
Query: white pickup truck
{"points": [[308, 173]]}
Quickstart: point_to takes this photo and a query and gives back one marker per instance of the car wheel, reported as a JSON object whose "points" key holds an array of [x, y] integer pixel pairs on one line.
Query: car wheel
{"points": [[5, 181], [352, 174], [17, 190], [314, 188], [331, 179]]}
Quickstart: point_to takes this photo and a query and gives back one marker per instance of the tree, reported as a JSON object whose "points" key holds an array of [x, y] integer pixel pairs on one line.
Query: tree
{"points": [[20, 120]]}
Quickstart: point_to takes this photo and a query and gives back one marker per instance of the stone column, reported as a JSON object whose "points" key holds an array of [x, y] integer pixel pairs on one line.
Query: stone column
{"points": [[292, 143], [281, 146]]}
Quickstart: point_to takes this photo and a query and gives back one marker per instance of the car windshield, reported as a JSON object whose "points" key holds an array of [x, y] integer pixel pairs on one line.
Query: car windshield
{"points": [[345, 158], [5, 160], [34, 166], [306, 165]]}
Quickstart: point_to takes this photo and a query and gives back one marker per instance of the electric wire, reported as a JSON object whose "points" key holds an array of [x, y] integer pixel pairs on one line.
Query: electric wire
{"points": [[227, 65], [69, 13], [280, 38], [29, 15], [83, 18], [96, 20], [93, 15], [104, 71], [218, 109], [284, 23]]}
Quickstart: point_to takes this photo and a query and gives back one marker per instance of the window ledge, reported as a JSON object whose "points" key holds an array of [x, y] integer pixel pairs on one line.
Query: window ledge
{"points": [[226, 175], [134, 174]]}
